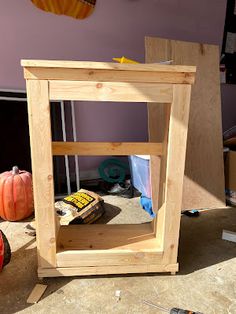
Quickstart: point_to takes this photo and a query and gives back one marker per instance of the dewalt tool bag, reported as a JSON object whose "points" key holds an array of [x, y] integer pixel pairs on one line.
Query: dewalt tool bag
{"points": [[82, 207]]}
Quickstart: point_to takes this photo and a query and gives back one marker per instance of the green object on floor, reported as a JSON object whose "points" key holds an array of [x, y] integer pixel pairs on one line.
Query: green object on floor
{"points": [[113, 170]]}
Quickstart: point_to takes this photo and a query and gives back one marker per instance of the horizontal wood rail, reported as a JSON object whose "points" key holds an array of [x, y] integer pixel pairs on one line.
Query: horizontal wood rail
{"points": [[108, 76], [106, 148], [153, 67], [107, 72], [105, 270], [110, 91], [100, 237], [112, 245]]}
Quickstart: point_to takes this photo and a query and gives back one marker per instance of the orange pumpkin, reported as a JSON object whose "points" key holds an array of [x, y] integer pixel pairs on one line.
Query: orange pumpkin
{"points": [[16, 194], [79, 9]]}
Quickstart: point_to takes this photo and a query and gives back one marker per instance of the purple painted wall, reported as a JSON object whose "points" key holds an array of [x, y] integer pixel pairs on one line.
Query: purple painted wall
{"points": [[115, 28], [228, 95]]}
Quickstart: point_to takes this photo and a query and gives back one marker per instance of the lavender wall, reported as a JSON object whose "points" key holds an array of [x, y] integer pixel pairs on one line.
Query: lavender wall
{"points": [[116, 28], [228, 95]]}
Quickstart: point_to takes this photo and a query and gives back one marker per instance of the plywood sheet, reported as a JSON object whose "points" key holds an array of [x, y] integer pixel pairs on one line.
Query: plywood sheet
{"points": [[204, 172]]}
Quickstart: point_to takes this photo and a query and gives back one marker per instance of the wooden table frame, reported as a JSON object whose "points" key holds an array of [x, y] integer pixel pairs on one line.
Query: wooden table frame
{"points": [[109, 249]]}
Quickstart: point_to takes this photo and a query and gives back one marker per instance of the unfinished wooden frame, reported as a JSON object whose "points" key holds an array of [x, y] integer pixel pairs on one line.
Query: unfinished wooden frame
{"points": [[109, 249]]}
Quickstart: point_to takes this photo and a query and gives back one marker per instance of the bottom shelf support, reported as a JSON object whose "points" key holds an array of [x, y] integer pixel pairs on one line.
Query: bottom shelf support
{"points": [[106, 270]]}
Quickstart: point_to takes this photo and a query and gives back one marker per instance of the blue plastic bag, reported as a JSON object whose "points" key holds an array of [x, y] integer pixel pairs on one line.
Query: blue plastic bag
{"points": [[146, 204]]}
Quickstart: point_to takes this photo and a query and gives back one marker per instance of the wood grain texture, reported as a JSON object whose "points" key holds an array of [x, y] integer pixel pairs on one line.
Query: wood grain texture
{"points": [[76, 258], [106, 270], [110, 91], [106, 75], [177, 142], [42, 170], [99, 245], [53, 64], [158, 165], [105, 148], [137, 237], [204, 175]]}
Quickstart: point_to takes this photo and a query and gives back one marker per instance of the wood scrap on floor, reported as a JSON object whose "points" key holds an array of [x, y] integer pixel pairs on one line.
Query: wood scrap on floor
{"points": [[36, 293], [229, 235]]}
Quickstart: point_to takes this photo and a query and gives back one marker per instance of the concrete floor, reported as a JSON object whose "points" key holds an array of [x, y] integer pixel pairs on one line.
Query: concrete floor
{"points": [[206, 281]]}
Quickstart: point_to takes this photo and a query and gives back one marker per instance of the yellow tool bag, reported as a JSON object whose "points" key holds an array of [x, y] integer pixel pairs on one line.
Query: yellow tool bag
{"points": [[82, 207]]}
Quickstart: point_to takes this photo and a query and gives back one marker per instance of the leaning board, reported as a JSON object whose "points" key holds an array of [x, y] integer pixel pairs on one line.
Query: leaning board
{"points": [[204, 173]]}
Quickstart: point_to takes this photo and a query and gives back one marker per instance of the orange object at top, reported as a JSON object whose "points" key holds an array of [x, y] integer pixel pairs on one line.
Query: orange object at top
{"points": [[78, 9]]}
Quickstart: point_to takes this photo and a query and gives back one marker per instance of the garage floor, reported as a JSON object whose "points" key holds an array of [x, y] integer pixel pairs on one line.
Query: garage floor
{"points": [[206, 281]]}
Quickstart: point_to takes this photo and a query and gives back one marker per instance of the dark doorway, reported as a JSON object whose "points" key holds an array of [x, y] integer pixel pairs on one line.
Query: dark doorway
{"points": [[14, 132], [14, 136]]}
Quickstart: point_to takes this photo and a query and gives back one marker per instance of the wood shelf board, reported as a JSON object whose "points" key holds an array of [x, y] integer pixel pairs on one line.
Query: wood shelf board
{"points": [[106, 238], [105, 270], [114, 257], [106, 148], [107, 65]]}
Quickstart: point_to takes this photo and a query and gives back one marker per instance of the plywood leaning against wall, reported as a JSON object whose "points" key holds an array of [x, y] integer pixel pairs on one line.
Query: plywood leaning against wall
{"points": [[204, 172]]}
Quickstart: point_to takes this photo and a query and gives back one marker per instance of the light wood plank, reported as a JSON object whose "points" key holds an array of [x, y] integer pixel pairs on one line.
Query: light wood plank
{"points": [[204, 174], [105, 148], [42, 169], [107, 66], [158, 166], [169, 221], [106, 270], [130, 238], [108, 75], [110, 91], [36, 293], [75, 258]]}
